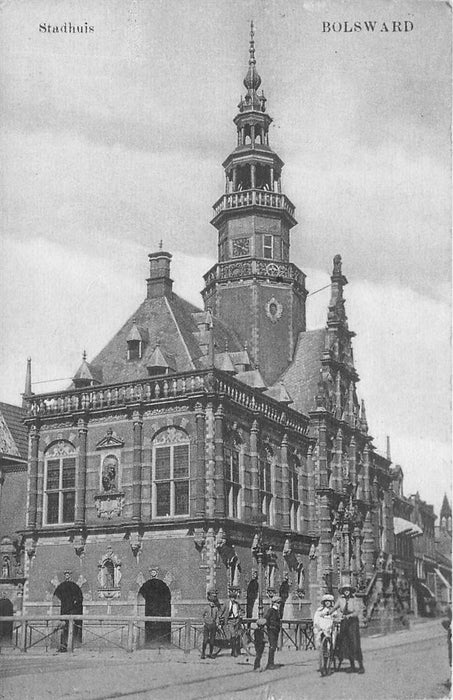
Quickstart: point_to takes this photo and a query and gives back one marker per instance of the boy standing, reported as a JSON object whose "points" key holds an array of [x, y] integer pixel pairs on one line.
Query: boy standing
{"points": [[259, 642]]}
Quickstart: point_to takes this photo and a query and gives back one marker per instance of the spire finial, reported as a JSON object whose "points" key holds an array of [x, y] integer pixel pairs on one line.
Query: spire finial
{"points": [[27, 390], [252, 60], [160, 244], [252, 80], [84, 355]]}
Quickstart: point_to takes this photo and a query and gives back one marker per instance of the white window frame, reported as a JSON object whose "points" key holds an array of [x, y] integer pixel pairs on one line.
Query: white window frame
{"points": [[268, 247], [294, 500], [266, 497], [171, 480], [60, 491], [233, 488]]}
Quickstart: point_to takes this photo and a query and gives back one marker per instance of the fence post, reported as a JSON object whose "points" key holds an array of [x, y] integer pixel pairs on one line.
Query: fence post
{"points": [[130, 636], [23, 635], [71, 635], [186, 637]]}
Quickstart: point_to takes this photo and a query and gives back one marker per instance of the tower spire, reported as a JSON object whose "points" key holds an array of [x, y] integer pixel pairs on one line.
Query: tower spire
{"points": [[252, 81]]}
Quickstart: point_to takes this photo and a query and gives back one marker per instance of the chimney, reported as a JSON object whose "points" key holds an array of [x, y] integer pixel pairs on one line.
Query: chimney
{"points": [[159, 282]]}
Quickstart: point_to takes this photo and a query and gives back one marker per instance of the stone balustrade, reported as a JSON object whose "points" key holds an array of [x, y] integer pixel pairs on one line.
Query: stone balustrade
{"points": [[255, 267], [152, 390], [249, 198]]}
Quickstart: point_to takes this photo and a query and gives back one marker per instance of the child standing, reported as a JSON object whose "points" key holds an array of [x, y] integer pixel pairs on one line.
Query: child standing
{"points": [[259, 642], [323, 622]]}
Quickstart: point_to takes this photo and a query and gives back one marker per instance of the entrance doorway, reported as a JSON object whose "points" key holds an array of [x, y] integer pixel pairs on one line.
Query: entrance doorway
{"points": [[157, 603], [6, 628], [71, 603]]}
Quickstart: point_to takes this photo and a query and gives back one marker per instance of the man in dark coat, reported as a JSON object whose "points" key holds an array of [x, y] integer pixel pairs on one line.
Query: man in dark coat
{"points": [[273, 624], [252, 593], [259, 642]]}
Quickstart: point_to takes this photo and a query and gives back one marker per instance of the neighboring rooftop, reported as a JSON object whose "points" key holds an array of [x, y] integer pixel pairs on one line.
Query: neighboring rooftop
{"points": [[13, 432]]}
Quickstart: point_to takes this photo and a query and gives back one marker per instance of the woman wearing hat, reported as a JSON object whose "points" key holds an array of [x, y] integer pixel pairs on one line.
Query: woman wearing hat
{"points": [[323, 623], [348, 642]]}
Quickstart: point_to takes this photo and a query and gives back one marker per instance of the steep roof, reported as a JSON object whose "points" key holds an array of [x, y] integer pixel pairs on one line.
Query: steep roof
{"points": [[13, 432], [170, 322], [301, 378]]}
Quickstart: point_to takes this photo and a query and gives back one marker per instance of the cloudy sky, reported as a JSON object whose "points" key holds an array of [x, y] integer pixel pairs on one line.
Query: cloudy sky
{"points": [[114, 139]]}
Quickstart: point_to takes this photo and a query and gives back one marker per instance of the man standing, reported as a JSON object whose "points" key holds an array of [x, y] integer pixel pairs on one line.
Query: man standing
{"points": [[211, 614], [273, 624], [233, 623], [252, 593]]}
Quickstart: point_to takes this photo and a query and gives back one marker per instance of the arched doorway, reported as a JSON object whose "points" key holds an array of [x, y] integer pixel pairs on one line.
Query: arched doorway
{"points": [[71, 603], [6, 628], [157, 603]]}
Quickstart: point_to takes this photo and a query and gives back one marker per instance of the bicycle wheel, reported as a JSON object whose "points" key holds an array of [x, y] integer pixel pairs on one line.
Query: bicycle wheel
{"points": [[247, 642], [326, 656]]}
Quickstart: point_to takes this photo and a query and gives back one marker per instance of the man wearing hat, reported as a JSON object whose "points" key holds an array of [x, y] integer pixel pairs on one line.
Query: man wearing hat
{"points": [[273, 624], [259, 642], [211, 616], [233, 623], [348, 642]]}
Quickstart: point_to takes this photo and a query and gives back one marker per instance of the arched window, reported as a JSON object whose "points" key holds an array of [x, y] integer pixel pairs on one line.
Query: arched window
{"points": [[265, 485], [171, 472], [232, 479], [59, 480]]}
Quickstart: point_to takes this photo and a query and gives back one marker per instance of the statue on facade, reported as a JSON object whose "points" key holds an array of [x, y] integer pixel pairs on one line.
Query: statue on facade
{"points": [[109, 473]]}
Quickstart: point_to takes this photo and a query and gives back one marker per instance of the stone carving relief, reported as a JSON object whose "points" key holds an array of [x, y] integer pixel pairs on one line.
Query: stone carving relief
{"points": [[109, 575]]}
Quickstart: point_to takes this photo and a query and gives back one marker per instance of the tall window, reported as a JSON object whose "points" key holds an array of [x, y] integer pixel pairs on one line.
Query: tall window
{"points": [[171, 474], [268, 246], [265, 485], [294, 502], [59, 504], [232, 480]]}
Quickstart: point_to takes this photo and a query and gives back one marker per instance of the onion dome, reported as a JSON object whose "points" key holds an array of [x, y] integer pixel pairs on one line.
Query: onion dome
{"points": [[252, 81]]}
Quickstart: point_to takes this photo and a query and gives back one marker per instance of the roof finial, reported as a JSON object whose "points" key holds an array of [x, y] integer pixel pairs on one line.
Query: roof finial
{"points": [[252, 60], [84, 355], [252, 80], [160, 244], [27, 391], [389, 456]]}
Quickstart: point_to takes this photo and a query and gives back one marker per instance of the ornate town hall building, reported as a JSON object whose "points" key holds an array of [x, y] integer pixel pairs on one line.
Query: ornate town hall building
{"points": [[201, 445]]}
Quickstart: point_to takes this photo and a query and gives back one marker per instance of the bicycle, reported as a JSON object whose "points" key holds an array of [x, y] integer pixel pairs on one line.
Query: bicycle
{"points": [[326, 655], [222, 641], [327, 662]]}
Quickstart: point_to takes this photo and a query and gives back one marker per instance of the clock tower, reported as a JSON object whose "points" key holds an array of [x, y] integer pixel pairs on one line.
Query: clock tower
{"points": [[254, 288]]}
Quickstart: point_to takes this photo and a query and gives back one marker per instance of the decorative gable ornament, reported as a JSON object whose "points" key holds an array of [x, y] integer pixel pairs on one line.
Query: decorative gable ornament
{"points": [[170, 436], [110, 441]]}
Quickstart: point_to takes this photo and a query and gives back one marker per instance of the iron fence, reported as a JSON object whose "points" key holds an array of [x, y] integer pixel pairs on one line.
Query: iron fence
{"points": [[129, 633]]}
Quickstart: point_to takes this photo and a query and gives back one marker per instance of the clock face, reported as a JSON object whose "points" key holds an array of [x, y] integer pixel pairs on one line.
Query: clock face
{"points": [[241, 246]]}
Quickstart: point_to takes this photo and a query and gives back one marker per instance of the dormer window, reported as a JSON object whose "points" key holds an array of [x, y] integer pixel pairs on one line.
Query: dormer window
{"points": [[134, 349], [134, 343]]}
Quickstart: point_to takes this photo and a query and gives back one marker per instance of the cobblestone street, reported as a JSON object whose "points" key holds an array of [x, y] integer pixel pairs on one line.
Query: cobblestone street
{"points": [[409, 664]]}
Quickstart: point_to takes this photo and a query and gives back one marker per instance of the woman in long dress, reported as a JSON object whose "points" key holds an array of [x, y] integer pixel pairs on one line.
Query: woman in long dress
{"points": [[348, 641]]}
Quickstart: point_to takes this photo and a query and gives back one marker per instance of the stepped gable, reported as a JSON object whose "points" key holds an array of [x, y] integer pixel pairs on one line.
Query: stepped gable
{"points": [[13, 433], [302, 376]]}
